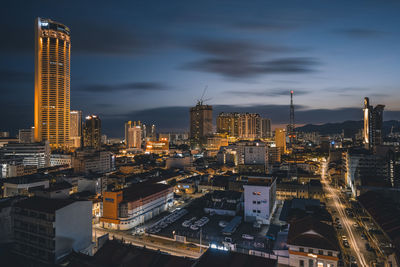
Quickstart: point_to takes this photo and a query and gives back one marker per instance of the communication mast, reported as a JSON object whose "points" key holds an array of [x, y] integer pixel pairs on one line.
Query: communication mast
{"points": [[291, 127]]}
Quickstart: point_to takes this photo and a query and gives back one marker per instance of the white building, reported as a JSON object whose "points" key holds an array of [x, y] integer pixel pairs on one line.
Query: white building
{"points": [[12, 167], [34, 154], [125, 209], [312, 243], [61, 159], [259, 199], [61, 226]]}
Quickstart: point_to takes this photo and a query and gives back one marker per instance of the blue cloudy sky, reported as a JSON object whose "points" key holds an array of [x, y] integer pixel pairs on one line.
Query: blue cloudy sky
{"points": [[150, 60]]}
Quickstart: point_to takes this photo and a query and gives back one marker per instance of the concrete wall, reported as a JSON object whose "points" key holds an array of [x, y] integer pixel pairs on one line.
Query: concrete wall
{"points": [[73, 226]]}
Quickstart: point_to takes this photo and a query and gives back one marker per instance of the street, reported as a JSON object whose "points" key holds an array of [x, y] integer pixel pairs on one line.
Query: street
{"points": [[337, 205]]}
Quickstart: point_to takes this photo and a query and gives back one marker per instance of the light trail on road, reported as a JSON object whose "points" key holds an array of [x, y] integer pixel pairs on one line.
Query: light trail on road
{"points": [[339, 207]]}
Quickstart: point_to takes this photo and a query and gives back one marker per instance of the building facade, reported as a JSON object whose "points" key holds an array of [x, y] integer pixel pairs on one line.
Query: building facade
{"points": [[76, 128], [52, 83], [92, 132], [259, 200], [125, 209], [200, 124], [373, 122], [46, 231], [33, 154]]}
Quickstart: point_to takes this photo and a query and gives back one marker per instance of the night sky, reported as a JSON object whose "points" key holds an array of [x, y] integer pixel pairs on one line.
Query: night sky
{"points": [[150, 60]]}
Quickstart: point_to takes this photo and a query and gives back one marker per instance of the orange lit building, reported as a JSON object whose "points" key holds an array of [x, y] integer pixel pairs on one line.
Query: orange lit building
{"points": [[135, 205], [52, 83], [161, 146]]}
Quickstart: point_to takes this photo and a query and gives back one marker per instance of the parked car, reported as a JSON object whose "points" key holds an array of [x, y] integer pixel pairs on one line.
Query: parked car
{"points": [[246, 236]]}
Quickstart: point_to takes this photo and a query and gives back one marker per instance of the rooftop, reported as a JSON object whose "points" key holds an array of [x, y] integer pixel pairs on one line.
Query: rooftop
{"points": [[214, 257], [310, 232], [138, 191], [44, 204]]}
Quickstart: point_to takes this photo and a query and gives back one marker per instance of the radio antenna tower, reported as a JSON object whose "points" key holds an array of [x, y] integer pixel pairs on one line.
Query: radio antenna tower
{"points": [[291, 121]]}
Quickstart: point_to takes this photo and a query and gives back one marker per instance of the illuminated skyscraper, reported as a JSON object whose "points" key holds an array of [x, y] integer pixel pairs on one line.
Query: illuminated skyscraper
{"points": [[266, 128], [52, 83], [228, 123], [134, 139], [92, 132], [373, 122], [249, 126], [280, 139], [76, 128], [200, 124]]}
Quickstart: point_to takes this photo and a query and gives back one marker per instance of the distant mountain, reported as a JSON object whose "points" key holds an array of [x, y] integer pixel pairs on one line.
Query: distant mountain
{"points": [[350, 128]]}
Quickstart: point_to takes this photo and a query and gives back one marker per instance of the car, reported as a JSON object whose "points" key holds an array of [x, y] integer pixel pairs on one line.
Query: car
{"points": [[346, 244], [223, 223], [344, 237], [259, 245], [247, 236], [363, 236], [353, 259], [194, 227], [355, 225]]}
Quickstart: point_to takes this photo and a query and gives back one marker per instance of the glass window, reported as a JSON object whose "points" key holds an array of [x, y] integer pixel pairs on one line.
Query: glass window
{"points": [[301, 263], [310, 250], [320, 252], [301, 249], [320, 264], [329, 253]]}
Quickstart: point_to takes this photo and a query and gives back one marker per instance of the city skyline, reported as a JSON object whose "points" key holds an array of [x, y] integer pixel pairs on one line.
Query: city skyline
{"points": [[154, 67]]}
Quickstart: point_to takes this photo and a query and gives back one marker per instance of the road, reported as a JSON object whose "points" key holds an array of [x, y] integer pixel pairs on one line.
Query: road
{"points": [[338, 204], [173, 248]]}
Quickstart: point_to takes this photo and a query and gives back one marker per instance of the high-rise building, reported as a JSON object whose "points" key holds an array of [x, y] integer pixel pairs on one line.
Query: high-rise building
{"points": [[92, 132], [76, 128], [52, 83], [266, 128], [228, 123], [373, 122], [4, 134], [200, 124], [280, 139], [134, 138], [250, 126]]}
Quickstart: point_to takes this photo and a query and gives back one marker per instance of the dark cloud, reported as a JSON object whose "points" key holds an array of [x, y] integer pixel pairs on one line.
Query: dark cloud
{"points": [[134, 86], [247, 67], [268, 92], [264, 26], [360, 33], [237, 48]]}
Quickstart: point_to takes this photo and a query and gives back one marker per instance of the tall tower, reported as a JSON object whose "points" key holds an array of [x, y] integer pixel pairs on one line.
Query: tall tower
{"points": [[92, 132], [76, 128], [200, 124], [291, 127], [52, 83], [373, 122]]}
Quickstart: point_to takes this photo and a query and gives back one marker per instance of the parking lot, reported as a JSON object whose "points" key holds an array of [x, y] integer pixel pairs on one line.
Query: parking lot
{"points": [[194, 224]]}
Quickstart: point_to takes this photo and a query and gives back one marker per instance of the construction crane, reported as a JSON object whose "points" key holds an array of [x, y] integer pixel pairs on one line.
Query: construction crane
{"points": [[201, 100]]}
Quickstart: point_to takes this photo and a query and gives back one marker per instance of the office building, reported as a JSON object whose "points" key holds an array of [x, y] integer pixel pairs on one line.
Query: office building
{"points": [[200, 124], [134, 138], [280, 139], [25, 136], [33, 154], [61, 159], [127, 208], [312, 243], [22, 186], [48, 230], [259, 199], [373, 121], [266, 128], [228, 123], [76, 128], [92, 132], [52, 83], [249, 126], [92, 161]]}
